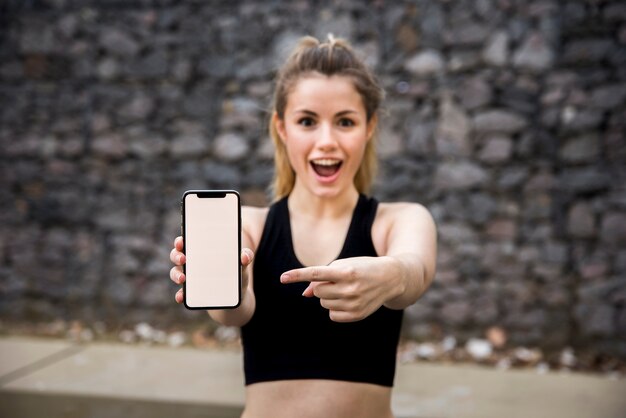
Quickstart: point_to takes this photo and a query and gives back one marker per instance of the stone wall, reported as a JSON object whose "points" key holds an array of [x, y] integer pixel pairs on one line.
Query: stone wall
{"points": [[506, 118]]}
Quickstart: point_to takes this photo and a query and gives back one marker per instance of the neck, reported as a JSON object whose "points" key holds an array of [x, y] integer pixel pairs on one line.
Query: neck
{"points": [[304, 202]]}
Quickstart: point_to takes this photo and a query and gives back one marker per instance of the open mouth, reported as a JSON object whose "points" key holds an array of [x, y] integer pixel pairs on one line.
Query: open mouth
{"points": [[326, 167]]}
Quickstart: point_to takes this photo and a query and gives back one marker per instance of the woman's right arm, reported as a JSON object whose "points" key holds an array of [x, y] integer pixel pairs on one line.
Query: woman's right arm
{"points": [[249, 240]]}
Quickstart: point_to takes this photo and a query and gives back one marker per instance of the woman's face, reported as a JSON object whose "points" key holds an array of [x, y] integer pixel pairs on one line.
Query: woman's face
{"points": [[325, 131]]}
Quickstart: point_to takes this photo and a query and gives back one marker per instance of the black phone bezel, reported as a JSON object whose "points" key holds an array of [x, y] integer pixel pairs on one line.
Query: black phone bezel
{"points": [[212, 194]]}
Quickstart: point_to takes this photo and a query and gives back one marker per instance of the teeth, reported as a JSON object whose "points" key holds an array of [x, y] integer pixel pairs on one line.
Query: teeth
{"points": [[326, 162]]}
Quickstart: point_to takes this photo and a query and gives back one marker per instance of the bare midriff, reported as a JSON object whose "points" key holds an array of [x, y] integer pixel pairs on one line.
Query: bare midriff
{"points": [[317, 399]]}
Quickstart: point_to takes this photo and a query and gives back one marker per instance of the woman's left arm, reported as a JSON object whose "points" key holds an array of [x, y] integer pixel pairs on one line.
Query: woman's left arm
{"points": [[353, 288], [412, 243]]}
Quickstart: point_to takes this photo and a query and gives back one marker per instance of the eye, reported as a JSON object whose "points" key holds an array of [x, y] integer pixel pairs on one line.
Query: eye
{"points": [[306, 122], [346, 123]]}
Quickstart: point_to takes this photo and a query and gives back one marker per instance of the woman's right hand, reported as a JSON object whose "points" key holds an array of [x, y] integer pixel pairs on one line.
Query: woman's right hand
{"points": [[178, 258], [176, 273]]}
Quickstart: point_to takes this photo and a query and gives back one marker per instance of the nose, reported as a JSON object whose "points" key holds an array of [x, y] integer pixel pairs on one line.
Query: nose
{"points": [[326, 139]]}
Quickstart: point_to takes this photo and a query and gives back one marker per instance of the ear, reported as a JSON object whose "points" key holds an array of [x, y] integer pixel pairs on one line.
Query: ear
{"points": [[279, 125], [371, 126]]}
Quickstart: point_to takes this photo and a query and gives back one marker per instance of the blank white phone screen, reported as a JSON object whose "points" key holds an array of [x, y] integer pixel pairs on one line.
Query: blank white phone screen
{"points": [[212, 270]]}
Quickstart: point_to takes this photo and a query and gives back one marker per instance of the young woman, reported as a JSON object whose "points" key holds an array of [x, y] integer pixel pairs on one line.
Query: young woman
{"points": [[327, 270]]}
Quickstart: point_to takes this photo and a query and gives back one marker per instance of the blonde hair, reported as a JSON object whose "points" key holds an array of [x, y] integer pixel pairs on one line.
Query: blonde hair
{"points": [[334, 57]]}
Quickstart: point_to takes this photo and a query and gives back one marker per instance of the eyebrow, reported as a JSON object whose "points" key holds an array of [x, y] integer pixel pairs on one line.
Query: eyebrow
{"points": [[311, 113]]}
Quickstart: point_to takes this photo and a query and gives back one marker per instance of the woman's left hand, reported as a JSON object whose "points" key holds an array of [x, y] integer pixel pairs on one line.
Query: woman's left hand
{"points": [[351, 288]]}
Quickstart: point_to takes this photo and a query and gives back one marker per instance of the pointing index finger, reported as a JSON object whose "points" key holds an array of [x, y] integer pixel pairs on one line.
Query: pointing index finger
{"points": [[308, 274]]}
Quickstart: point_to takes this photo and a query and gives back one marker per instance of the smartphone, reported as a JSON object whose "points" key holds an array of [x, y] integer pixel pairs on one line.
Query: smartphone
{"points": [[211, 229]]}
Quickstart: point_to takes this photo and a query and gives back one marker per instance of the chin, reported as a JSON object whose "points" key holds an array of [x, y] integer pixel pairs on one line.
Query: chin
{"points": [[328, 191]]}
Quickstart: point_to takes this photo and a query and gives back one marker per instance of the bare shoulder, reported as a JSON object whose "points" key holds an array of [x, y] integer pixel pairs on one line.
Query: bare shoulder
{"points": [[253, 221], [391, 213], [254, 217], [254, 212], [398, 225]]}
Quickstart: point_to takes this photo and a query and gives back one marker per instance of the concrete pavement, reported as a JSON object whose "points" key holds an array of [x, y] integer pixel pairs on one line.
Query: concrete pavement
{"points": [[55, 378]]}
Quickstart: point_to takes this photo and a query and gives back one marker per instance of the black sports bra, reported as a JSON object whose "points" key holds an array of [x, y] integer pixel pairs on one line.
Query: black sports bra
{"points": [[292, 337]]}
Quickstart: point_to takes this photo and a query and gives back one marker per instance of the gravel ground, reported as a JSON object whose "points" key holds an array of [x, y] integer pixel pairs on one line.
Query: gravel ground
{"points": [[490, 350]]}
